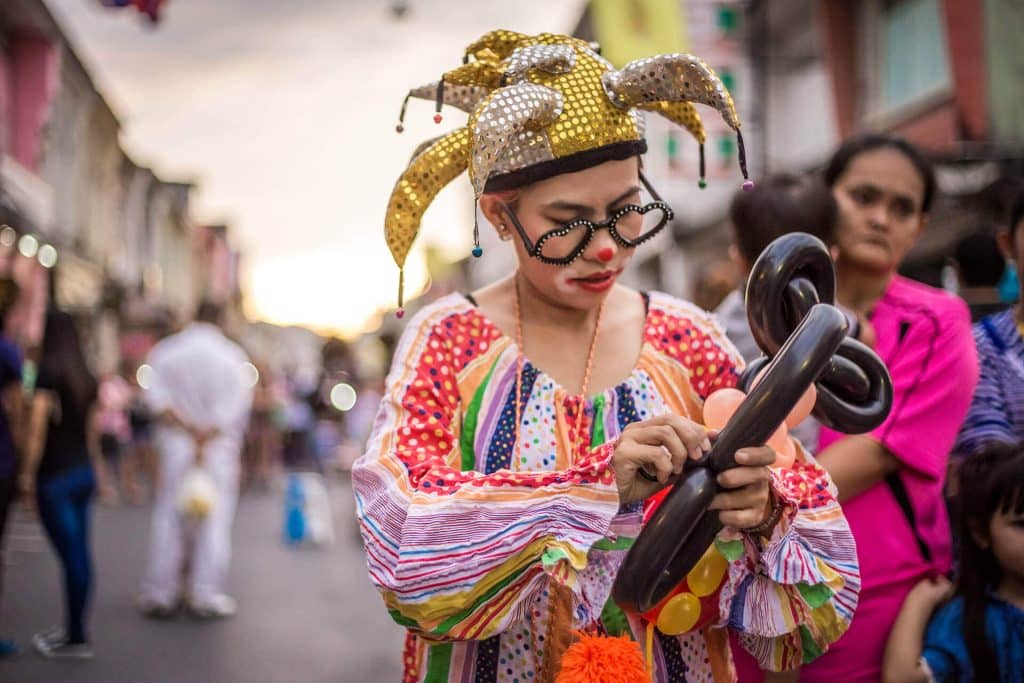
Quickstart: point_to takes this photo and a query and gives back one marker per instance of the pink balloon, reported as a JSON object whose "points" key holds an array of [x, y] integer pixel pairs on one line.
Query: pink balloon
{"points": [[720, 406], [802, 408], [780, 439], [787, 456]]}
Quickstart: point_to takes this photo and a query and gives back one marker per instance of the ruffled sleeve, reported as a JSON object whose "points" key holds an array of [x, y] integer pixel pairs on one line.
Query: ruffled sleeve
{"points": [[795, 593], [458, 554]]}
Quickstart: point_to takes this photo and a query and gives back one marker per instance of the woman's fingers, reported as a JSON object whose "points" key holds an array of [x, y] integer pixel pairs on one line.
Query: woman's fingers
{"points": [[748, 497], [655, 460], [662, 435], [693, 436], [633, 455], [737, 477], [742, 519], [755, 456]]}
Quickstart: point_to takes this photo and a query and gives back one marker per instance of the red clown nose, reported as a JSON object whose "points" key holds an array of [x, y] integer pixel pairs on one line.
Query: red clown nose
{"points": [[606, 254]]}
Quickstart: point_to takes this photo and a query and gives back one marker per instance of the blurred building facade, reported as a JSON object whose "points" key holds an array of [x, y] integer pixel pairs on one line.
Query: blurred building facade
{"points": [[947, 75], [86, 226]]}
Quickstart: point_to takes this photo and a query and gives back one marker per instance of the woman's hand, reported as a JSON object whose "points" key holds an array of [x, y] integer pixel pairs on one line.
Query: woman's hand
{"points": [[746, 502], [660, 447]]}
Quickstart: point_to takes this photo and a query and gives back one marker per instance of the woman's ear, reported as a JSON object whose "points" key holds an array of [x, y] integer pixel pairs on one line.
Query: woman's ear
{"points": [[1005, 244], [493, 210], [922, 225]]}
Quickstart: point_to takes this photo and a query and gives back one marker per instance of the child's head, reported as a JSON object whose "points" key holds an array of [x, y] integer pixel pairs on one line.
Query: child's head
{"points": [[991, 495], [776, 206]]}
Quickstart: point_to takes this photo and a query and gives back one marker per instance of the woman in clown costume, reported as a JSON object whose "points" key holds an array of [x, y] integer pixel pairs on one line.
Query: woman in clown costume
{"points": [[525, 424]]}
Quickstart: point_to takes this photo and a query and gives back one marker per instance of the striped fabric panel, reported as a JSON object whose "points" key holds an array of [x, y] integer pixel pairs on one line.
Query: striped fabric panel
{"points": [[452, 566]]}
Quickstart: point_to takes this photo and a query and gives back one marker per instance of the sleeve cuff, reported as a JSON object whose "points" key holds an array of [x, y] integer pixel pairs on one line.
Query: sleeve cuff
{"points": [[799, 587]]}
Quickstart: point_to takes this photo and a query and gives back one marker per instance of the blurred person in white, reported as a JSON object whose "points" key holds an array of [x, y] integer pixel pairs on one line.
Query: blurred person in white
{"points": [[200, 399]]}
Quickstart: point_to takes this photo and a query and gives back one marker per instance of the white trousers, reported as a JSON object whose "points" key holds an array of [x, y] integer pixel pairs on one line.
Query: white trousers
{"points": [[174, 538]]}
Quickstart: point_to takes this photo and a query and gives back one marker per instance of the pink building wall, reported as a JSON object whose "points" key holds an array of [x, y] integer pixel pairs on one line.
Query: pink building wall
{"points": [[30, 76]]}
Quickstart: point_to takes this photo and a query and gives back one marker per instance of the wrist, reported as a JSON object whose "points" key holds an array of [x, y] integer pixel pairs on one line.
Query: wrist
{"points": [[772, 517]]}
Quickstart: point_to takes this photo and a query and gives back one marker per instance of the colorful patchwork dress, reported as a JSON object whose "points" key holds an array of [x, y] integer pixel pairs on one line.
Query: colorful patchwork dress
{"points": [[466, 544]]}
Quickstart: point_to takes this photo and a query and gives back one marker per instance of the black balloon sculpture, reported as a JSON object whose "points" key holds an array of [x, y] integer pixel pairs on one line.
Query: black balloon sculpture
{"points": [[790, 295]]}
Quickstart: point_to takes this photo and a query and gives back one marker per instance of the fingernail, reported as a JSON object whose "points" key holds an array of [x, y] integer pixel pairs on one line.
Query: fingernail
{"points": [[706, 444]]}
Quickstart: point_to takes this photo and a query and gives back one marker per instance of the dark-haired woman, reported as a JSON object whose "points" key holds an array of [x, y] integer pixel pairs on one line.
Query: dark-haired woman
{"points": [[62, 446], [891, 480], [978, 635]]}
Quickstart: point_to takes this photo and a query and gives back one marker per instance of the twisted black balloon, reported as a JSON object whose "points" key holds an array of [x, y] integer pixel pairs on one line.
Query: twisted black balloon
{"points": [[789, 306]]}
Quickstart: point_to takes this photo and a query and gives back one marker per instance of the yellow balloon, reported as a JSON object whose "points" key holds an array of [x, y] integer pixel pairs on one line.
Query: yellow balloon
{"points": [[679, 614], [706, 576]]}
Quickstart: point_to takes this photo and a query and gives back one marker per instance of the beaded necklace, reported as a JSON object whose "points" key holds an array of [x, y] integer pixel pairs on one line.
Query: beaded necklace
{"points": [[580, 399]]}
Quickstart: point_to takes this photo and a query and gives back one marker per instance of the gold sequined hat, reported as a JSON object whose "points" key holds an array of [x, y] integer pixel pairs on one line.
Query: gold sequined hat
{"points": [[540, 106]]}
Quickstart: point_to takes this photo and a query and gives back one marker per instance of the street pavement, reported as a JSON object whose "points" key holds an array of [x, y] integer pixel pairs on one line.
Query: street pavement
{"points": [[305, 615]]}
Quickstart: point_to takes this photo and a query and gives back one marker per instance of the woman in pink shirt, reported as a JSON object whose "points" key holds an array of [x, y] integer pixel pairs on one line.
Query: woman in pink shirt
{"points": [[891, 480]]}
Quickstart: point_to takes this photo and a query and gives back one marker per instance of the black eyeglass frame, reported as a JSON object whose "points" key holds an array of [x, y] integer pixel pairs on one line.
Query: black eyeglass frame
{"points": [[534, 248]]}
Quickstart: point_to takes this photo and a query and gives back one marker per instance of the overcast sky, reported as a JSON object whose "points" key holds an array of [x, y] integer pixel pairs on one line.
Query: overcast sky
{"points": [[284, 114]]}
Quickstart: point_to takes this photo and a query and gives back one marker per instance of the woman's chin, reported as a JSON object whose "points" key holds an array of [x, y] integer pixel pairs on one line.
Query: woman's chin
{"points": [[871, 258]]}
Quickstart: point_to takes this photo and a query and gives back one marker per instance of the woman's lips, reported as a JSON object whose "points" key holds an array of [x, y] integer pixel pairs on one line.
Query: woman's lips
{"points": [[598, 282]]}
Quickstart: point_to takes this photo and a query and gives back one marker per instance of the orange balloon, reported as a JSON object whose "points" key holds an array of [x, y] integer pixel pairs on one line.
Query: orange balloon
{"points": [[720, 406], [780, 438], [706, 576], [802, 408], [679, 615]]}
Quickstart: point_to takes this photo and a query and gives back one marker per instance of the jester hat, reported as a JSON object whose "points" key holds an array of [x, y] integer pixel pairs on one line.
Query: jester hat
{"points": [[540, 106]]}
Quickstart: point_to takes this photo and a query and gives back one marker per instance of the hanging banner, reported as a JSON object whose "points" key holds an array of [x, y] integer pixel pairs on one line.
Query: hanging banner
{"points": [[632, 29]]}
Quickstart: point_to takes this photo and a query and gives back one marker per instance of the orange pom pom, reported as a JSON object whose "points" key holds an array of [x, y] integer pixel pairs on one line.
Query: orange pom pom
{"points": [[603, 659]]}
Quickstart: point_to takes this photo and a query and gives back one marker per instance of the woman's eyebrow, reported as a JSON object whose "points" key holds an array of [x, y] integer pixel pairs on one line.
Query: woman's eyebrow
{"points": [[584, 210], [867, 185]]}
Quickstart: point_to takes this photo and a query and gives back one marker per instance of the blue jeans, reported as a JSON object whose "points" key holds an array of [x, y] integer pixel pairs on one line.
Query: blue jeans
{"points": [[63, 501]]}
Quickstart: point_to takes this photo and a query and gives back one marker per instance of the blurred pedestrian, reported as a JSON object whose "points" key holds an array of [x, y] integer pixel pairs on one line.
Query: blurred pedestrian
{"points": [[980, 264], [11, 428], [263, 436], [200, 397], [891, 480], [115, 397], [61, 453], [142, 458], [997, 409], [979, 635]]}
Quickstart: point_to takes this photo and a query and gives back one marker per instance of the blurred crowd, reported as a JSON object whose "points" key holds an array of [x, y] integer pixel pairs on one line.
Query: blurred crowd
{"points": [[198, 398]]}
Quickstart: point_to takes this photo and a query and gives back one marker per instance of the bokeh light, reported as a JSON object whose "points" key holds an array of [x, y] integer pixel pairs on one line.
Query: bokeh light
{"points": [[47, 256], [250, 375], [343, 397], [144, 376], [28, 246]]}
